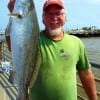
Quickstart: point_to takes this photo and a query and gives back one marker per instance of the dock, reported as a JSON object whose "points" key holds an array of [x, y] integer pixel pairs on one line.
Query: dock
{"points": [[84, 33], [8, 91]]}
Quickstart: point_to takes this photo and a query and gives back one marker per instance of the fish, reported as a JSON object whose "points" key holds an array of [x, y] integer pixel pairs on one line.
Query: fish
{"points": [[24, 33]]}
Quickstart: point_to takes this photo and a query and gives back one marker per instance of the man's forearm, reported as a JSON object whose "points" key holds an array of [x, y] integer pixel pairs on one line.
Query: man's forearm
{"points": [[88, 83]]}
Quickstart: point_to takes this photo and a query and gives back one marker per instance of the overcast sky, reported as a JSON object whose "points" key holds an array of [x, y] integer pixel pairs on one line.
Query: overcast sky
{"points": [[80, 13]]}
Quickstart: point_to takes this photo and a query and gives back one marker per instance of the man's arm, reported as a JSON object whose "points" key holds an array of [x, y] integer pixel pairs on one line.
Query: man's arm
{"points": [[8, 43], [87, 79]]}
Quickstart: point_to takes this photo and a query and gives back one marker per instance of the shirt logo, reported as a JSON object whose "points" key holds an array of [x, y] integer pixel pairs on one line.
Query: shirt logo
{"points": [[64, 54]]}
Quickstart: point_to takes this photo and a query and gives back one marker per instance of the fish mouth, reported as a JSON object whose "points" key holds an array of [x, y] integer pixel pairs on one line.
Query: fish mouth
{"points": [[15, 15]]}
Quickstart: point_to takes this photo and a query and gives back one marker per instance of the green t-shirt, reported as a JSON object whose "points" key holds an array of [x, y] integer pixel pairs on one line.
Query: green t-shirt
{"points": [[56, 79]]}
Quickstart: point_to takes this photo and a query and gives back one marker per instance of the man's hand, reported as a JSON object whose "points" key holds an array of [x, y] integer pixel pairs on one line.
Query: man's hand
{"points": [[11, 5]]}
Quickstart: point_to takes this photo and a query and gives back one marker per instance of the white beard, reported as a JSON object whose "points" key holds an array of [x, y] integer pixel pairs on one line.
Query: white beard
{"points": [[56, 31]]}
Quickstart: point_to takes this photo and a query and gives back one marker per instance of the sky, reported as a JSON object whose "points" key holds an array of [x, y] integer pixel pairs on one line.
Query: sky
{"points": [[80, 13]]}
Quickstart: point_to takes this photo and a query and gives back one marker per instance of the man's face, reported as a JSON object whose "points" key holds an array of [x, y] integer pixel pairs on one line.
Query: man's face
{"points": [[54, 17]]}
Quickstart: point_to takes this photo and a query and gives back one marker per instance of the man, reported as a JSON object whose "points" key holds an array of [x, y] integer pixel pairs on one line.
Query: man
{"points": [[62, 55]]}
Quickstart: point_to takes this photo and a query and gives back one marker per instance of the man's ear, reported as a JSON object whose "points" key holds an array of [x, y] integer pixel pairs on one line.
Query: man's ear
{"points": [[65, 19], [43, 18]]}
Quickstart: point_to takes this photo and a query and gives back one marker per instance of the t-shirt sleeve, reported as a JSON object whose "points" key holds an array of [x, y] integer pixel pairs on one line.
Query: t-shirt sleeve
{"points": [[83, 62]]}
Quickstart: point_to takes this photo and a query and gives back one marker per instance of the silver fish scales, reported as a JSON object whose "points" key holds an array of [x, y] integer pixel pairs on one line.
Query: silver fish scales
{"points": [[24, 44]]}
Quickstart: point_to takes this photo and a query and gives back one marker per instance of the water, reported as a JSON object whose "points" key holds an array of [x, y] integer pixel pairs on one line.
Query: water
{"points": [[92, 45]]}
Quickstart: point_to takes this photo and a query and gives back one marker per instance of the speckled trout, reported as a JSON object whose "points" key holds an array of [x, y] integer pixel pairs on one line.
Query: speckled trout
{"points": [[25, 45]]}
